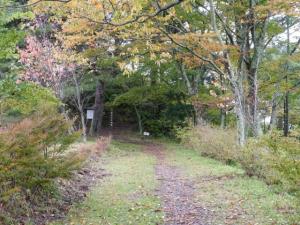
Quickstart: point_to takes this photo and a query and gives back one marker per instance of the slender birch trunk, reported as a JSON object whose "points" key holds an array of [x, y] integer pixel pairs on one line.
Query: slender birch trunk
{"points": [[79, 104], [236, 80]]}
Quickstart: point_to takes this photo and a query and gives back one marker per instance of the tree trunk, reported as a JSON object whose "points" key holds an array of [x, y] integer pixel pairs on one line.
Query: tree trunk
{"points": [[273, 119], [192, 90], [62, 110], [79, 105], [223, 119], [223, 110], [240, 110], [236, 80], [139, 120], [83, 125], [241, 122], [98, 109], [253, 103], [252, 70], [256, 33], [186, 79], [241, 125], [286, 115], [286, 99]]}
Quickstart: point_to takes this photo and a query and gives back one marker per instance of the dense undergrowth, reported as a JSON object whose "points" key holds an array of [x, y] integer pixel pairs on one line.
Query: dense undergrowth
{"points": [[32, 157], [272, 158]]}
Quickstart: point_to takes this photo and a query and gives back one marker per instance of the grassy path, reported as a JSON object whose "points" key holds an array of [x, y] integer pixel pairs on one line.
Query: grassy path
{"points": [[168, 184], [177, 192]]}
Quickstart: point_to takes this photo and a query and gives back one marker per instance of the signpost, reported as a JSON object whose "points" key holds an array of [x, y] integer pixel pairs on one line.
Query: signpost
{"points": [[90, 114]]}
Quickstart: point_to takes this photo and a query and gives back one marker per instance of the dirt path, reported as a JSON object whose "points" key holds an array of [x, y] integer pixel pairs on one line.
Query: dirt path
{"points": [[188, 190], [177, 193]]}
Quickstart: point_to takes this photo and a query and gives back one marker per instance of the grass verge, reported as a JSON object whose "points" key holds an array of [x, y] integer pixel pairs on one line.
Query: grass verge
{"points": [[233, 197], [125, 197]]}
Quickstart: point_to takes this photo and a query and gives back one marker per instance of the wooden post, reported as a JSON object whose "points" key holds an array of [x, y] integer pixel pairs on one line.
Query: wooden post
{"points": [[111, 118]]}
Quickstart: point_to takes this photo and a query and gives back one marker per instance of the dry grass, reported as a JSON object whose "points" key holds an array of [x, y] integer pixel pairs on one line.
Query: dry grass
{"points": [[213, 142], [102, 144], [91, 148]]}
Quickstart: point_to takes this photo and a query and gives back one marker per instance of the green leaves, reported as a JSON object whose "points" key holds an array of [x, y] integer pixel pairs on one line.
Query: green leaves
{"points": [[10, 15], [31, 152], [8, 42], [22, 99], [274, 28], [11, 33], [141, 95]]}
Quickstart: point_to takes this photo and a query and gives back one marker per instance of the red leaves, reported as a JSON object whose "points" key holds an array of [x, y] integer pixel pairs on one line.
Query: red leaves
{"points": [[41, 64]]}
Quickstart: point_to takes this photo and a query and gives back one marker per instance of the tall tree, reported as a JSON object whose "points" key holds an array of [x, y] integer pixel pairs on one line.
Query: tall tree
{"points": [[232, 44]]}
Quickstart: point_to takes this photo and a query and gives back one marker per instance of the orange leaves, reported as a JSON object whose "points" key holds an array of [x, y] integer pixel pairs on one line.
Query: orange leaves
{"points": [[280, 6], [206, 41], [97, 4], [204, 45], [189, 60]]}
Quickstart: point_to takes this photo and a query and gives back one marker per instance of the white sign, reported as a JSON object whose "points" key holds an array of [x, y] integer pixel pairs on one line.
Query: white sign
{"points": [[146, 133], [90, 114]]}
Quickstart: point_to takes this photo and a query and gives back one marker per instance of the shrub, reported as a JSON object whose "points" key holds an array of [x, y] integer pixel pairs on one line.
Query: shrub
{"points": [[21, 99], [102, 144], [93, 149], [213, 142], [32, 156], [273, 158]]}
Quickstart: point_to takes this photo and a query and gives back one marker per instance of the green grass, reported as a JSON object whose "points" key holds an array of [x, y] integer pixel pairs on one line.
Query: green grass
{"points": [[234, 197], [195, 165], [126, 197]]}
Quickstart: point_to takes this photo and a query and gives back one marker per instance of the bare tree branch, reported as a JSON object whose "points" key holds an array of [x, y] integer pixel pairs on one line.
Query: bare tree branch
{"points": [[142, 17], [296, 47]]}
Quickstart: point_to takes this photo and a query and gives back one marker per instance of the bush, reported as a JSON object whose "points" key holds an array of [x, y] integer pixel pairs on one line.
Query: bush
{"points": [[21, 99], [32, 156], [213, 142], [272, 157], [95, 149]]}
